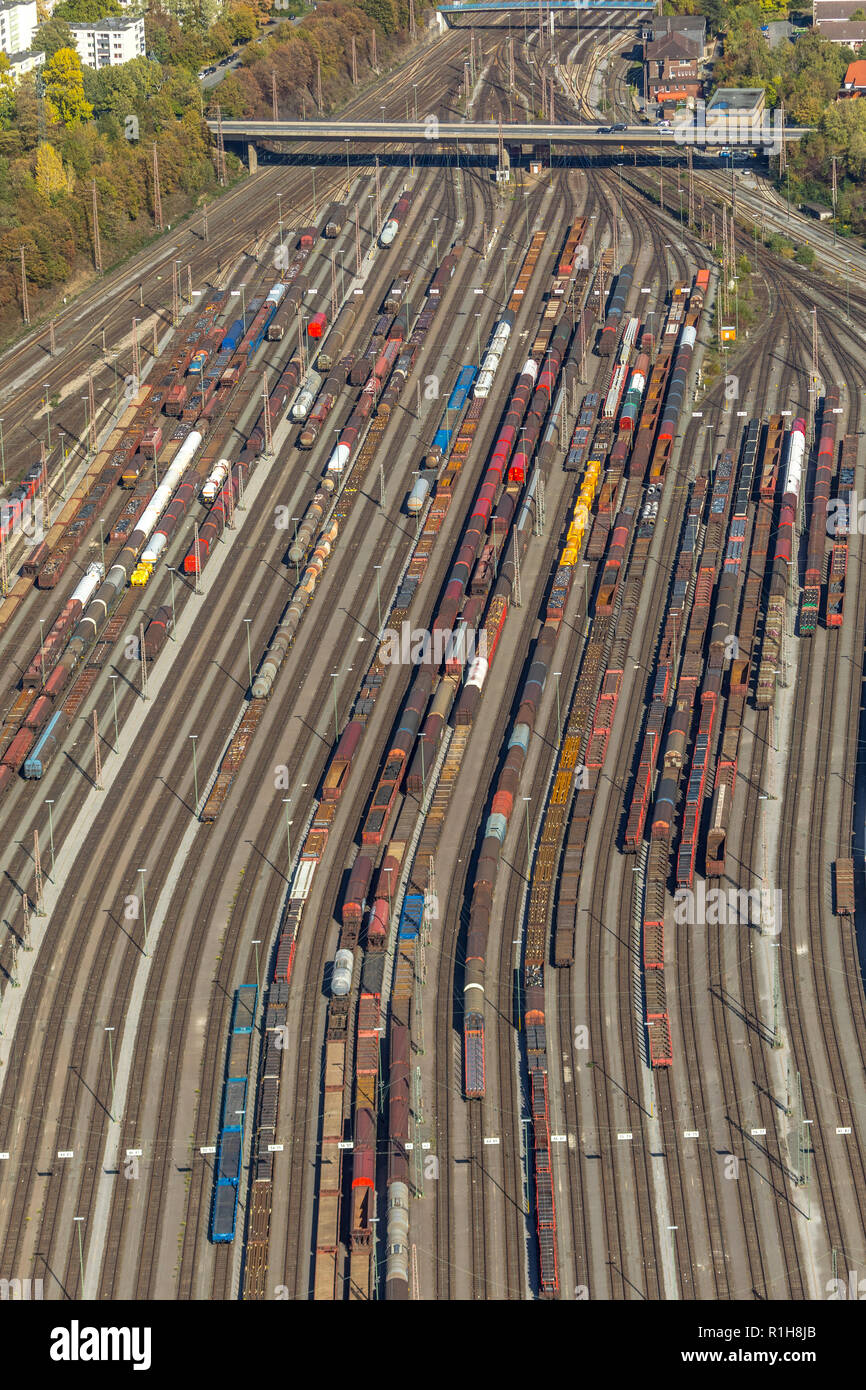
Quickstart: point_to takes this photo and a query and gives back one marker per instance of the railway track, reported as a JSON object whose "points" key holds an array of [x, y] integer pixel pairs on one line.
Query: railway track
{"points": [[163, 756], [827, 1086]]}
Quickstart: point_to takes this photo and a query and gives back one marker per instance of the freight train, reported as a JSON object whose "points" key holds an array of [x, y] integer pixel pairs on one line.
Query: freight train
{"points": [[825, 468], [615, 310], [392, 225], [230, 1146]]}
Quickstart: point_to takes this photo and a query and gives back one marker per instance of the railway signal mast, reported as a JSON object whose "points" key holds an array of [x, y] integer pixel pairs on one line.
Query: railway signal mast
{"points": [[221, 149], [37, 869], [143, 656], [267, 419], [25, 303], [97, 246], [97, 759], [157, 197]]}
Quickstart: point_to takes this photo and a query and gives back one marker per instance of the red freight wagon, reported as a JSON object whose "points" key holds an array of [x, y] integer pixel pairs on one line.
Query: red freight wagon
{"points": [[341, 764]]}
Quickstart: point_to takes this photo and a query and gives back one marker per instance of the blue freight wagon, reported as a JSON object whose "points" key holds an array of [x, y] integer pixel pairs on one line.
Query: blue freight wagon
{"points": [[225, 1213], [230, 1149], [411, 917], [45, 746], [457, 399], [234, 1101], [233, 337], [244, 1008]]}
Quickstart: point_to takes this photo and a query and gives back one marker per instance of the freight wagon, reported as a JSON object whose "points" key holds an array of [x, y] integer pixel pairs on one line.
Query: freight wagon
{"points": [[45, 746], [463, 386], [229, 1158], [340, 766], [392, 226]]}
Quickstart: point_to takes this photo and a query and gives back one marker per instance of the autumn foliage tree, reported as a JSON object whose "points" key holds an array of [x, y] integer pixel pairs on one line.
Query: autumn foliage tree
{"points": [[64, 88], [65, 128]]}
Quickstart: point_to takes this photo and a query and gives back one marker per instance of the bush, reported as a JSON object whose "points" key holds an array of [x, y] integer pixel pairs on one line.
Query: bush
{"points": [[804, 255]]}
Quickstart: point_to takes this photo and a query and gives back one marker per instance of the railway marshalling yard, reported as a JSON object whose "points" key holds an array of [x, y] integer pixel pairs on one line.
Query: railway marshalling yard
{"points": [[343, 962]]}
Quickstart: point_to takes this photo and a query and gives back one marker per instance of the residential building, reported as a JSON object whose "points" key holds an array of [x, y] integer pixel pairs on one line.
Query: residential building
{"points": [[855, 80], [19, 63], [852, 34], [691, 26], [671, 70], [110, 42], [17, 25], [832, 19]]}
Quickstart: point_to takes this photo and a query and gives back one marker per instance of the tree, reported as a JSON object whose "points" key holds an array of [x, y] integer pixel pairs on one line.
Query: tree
{"points": [[54, 34], [219, 40], [50, 177], [384, 12], [87, 11], [124, 90], [241, 23], [7, 92], [64, 88], [804, 255]]}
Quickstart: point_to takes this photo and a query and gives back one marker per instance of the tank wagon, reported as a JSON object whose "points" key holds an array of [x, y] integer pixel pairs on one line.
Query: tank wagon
{"points": [[106, 597], [392, 226]]}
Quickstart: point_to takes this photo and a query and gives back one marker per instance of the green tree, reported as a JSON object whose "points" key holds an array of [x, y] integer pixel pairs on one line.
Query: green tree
{"points": [[804, 255], [383, 12], [124, 90], [51, 36], [64, 88], [86, 11]]}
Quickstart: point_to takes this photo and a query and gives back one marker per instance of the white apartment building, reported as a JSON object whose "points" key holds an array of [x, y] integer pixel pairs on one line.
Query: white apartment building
{"points": [[110, 42], [19, 63], [17, 25]]}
